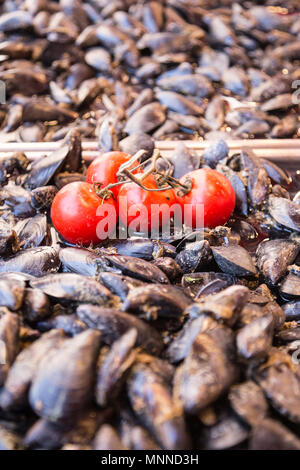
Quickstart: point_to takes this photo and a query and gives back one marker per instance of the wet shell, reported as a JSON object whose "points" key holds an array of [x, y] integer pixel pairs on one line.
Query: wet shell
{"points": [[274, 257], [22, 372], [113, 324], [206, 372], [115, 366], [280, 382], [59, 396], [234, 260], [71, 286], [9, 336], [156, 300], [131, 266], [151, 399]]}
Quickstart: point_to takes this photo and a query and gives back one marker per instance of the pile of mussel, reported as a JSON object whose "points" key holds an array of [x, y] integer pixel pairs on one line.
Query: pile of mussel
{"points": [[150, 344], [128, 71]]}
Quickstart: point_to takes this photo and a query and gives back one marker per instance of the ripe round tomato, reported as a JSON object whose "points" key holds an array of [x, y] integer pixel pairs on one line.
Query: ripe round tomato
{"points": [[104, 169], [80, 216], [152, 208], [214, 194]]}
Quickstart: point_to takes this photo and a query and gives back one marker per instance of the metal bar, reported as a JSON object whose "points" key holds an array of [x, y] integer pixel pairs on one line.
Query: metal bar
{"points": [[161, 145], [285, 150]]}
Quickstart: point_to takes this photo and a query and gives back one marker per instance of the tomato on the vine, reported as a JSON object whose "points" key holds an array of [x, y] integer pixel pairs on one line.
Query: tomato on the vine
{"points": [[104, 169], [81, 216], [152, 208], [214, 195]]}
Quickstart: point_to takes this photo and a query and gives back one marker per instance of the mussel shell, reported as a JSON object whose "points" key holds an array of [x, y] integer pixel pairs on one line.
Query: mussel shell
{"points": [[33, 261], [61, 396], [131, 266], [286, 212], [75, 287], [9, 337], [113, 324], [156, 300], [248, 401], [274, 257], [112, 372], [20, 376], [270, 434], [234, 260]]}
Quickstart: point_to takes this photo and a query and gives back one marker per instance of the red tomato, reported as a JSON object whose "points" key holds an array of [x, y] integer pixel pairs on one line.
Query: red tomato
{"points": [[104, 169], [213, 193], [77, 213], [135, 202]]}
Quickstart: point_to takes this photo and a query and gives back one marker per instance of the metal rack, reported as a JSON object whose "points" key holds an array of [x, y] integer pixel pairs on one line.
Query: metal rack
{"points": [[286, 151]]}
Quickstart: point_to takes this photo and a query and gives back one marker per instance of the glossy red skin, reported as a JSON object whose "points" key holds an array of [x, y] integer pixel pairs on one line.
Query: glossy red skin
{"points": [[104, 169], [214, 191], [141, 197], [73, 213]]}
